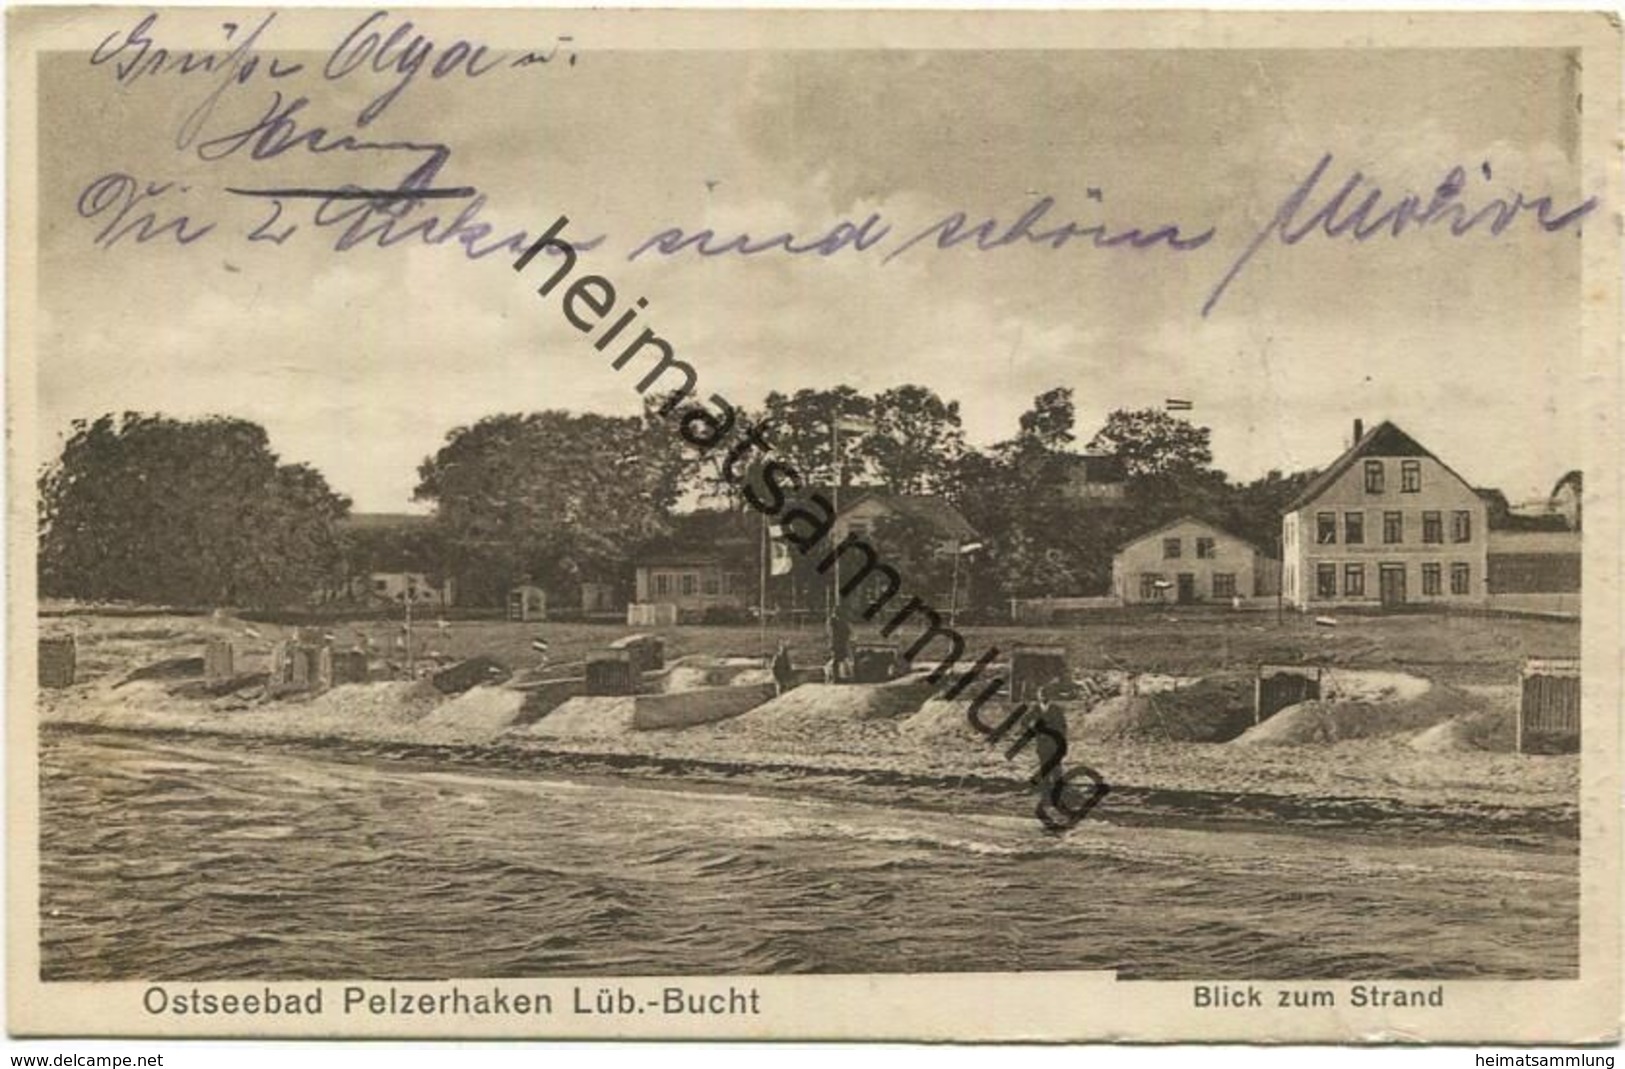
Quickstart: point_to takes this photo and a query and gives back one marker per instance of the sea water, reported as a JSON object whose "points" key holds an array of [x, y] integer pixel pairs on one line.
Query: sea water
{"points": [[215, 859]]}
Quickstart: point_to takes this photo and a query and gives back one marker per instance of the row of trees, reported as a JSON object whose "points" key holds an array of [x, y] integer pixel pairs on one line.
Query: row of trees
{"points": [[155, 509]]}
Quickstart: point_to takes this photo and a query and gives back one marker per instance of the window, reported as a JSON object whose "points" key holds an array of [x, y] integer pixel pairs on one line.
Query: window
{"points": [[1325, 528], [1410, 477], [1354, 528], [1204, 549], [1373, 477], [690, 583], [1460, 579], [1461, 526], [662, 585], [1148, 585], [1170, 549], [711, 583], [1393, 528], [1430, 580], [1354, 580], [1326, 580], [1433, 527], [1224, 585]]}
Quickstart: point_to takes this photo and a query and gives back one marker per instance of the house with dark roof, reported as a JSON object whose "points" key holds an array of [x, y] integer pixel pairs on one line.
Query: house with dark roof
{"points": [[1099, 479], [1190, 560], [706, 569], [1387, 524], [863, 509], [908, 531]]}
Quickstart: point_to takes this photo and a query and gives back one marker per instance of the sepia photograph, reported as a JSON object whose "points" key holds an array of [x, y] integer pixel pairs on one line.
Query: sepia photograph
{"points": [[553, 523]]}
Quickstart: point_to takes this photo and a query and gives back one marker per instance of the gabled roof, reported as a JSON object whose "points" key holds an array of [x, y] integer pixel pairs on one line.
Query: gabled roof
{"points": [[704, 536], [1187, 518], [1571, 479], [933, 510], [1383, 440]]}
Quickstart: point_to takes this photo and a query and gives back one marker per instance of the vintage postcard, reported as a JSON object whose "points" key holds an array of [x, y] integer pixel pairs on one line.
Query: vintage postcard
{"points": [[814, 525]]}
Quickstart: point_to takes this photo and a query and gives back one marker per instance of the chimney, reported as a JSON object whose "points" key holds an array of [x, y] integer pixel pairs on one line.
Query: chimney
{"points": [[1359, 430]]}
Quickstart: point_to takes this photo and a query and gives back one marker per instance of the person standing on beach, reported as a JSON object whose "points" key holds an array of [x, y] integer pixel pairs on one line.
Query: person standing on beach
{"points": [[840, 644], [784, 673], [1051, 739]]}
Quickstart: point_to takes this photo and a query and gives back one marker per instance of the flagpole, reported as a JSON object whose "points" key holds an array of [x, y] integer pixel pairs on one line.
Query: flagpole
{"points": [[835, 502], [411, 593], [761, 611]]}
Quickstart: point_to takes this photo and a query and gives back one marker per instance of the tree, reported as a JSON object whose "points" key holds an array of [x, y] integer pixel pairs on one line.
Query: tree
{"points": [[916, 441], [1255, 508], [1151, 443], [552, 497], [1048, 424], [802, 434], [1040, 541], [184, 512]]}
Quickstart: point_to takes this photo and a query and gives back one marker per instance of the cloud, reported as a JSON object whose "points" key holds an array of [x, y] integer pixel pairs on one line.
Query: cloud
{"points": [[360, 362]]}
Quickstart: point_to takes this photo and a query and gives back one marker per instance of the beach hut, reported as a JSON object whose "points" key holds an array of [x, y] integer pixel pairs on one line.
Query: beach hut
{"points": [[527, 602]]}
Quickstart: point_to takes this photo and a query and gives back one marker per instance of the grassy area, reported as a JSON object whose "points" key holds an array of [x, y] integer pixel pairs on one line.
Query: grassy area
{"points": [[1453, 648]]}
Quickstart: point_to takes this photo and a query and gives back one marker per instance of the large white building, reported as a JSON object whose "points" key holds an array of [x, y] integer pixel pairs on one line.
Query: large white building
{"points": [[1387, 524]]}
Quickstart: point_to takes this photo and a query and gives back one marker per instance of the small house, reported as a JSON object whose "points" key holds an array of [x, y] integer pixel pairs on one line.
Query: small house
{"points": [[527, 602], [1190, 560], [1092, 479], [399, 588], [394, 559], [705, 570], [698, 582]]}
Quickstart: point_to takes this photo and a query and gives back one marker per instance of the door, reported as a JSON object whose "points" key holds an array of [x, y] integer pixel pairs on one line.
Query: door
{"points": [[1187, 588], [1392, 577]]}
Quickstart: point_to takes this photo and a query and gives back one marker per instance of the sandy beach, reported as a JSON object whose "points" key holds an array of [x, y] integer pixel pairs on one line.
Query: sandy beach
{"points": [[1387, 752]]}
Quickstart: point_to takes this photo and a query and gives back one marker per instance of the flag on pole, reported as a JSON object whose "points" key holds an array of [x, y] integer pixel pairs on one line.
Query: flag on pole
{"points": [[778, 559], [1174, 404]]}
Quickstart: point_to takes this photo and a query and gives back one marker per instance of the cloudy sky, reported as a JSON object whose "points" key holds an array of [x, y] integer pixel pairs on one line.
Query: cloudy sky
{"points": [[360, 361]]}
